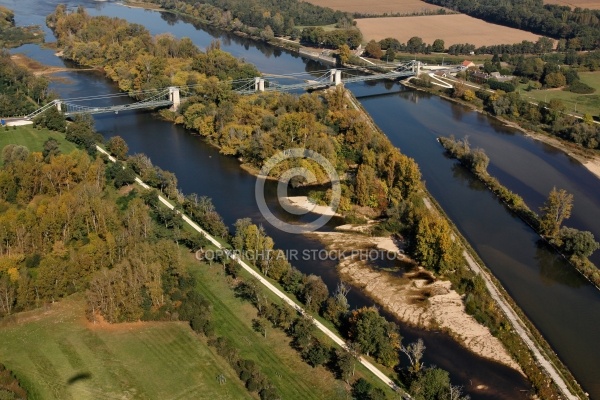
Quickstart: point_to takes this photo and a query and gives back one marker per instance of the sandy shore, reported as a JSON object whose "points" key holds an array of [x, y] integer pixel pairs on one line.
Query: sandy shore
{"points": [[39, 69], [415, 297], [303, 203]]}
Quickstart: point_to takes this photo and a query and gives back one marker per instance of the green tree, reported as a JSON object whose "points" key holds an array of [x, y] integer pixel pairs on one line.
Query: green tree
{"points": [[555, 210], [578, 243], [50, 149], [317, 354], [438, 46]]}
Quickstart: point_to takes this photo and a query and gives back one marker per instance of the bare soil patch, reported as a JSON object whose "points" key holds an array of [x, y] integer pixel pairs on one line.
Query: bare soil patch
{"points": [[378, 7], [592, 4], [453, 29], [415, 296]]}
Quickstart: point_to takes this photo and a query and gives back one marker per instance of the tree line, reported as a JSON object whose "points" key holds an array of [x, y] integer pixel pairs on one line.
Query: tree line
{"points": [[259, 18], [579, 26]]}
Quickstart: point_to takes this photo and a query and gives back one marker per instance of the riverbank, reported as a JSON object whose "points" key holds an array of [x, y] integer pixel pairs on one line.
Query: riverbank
{"points": [[38, 69], [412, 294], [589, 159]]}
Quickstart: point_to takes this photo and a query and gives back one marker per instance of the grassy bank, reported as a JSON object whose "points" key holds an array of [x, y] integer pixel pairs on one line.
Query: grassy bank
{"points": [[33, 138], [574, 102], [233, 317]]}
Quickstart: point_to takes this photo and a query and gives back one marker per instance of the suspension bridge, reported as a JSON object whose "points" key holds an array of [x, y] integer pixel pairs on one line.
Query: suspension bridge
{"points": [[174, 95]]}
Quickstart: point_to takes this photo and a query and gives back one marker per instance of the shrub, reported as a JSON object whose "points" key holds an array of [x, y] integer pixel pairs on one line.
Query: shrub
{"points": [[580, 88]]}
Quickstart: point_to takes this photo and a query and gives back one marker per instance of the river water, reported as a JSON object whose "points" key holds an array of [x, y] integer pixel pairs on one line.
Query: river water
{"points": [[564, 306]]}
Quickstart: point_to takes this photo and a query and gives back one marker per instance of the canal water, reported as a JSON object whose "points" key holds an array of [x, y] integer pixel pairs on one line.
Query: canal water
{"points": [[563, 306]]}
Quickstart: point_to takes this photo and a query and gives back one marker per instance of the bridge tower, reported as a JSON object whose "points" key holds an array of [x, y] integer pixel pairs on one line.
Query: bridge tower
{"points": [[174, 97], [259, 84], [335, 76], [58, 105]]}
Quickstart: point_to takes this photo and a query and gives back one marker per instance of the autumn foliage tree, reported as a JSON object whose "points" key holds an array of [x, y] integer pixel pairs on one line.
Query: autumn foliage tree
{"points": [[555, 210]]}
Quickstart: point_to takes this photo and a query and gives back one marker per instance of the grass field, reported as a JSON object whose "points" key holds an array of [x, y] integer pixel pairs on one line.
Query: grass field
{"points": [[32, 138], [593, 4], [453, 29], [378, 7], [57, 354], [580, 103]]}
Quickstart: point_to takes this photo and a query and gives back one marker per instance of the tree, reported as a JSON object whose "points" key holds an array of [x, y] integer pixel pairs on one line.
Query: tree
{"points": [[345, 364], [317, 354], [373, 49], [578, 243], [315, 292], [555, 79], [414, 352], [344, 53], [374, 335], [260, 326], [118, 147], [438, 46], [50, 149], [414, 45], [555, 210]]}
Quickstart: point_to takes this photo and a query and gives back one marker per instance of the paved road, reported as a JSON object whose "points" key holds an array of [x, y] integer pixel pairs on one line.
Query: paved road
{"points": [[339, 341]]}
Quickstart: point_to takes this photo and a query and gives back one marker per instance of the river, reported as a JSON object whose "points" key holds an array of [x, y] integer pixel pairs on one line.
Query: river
{"points": [[562, 305]]}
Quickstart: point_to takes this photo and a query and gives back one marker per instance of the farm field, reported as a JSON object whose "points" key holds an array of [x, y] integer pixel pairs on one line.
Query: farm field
{"points": [[593, 4], [453, 29], [580, 103], [32, 138], [378, 7]]}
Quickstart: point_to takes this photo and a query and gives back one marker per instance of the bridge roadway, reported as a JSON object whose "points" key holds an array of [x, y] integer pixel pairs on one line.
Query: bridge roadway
{"points": [[169, 97]]}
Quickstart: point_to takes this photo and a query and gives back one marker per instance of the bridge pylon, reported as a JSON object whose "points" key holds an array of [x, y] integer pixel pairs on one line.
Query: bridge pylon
{"points": [[259, 84], [174, 97], [58, 105], [335, 76]]}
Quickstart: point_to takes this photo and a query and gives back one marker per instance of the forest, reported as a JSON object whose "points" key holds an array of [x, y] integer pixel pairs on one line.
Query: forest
{"points": [[578, 26], [20, 91]]}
